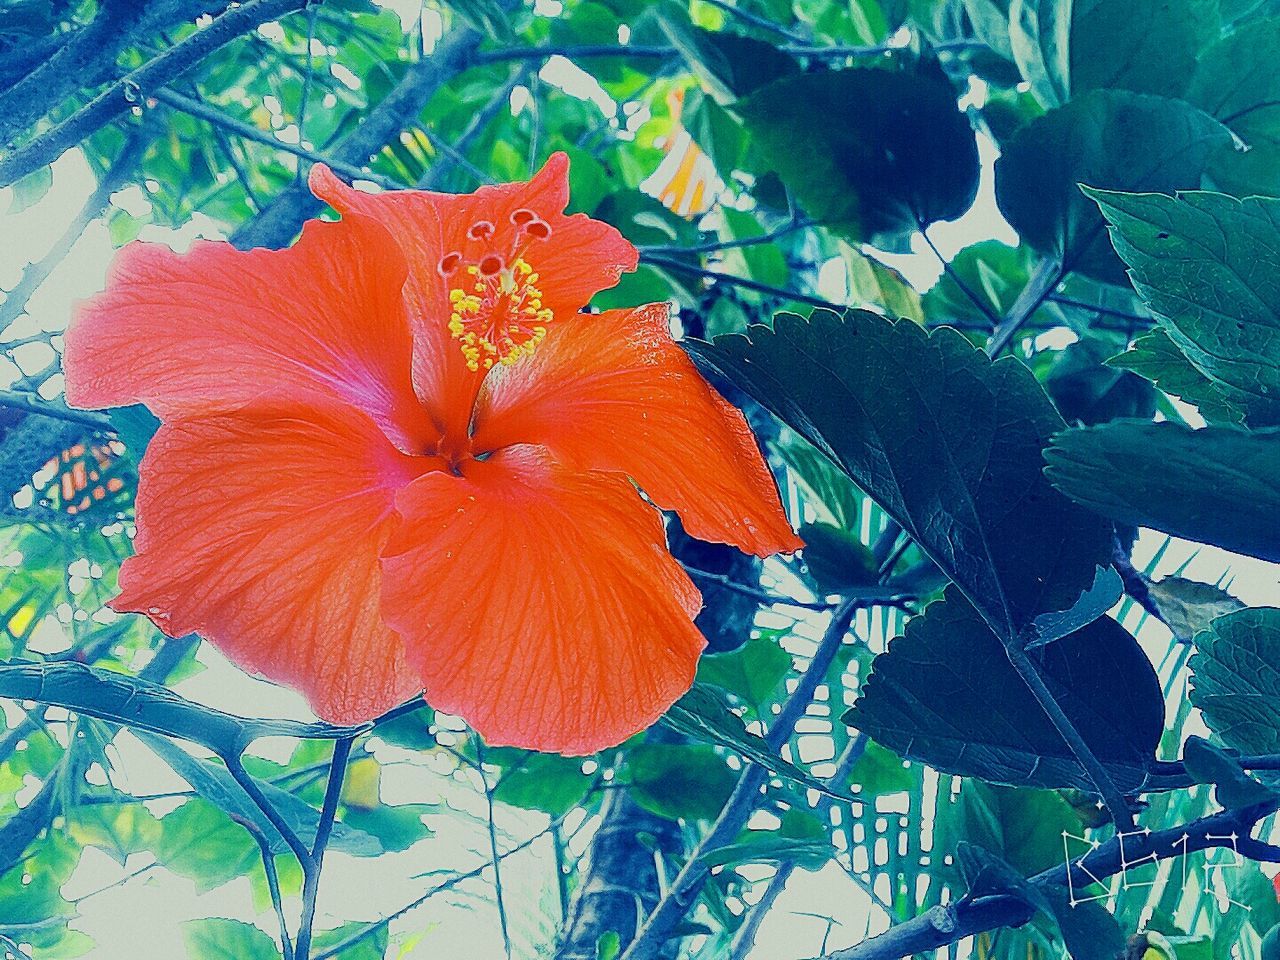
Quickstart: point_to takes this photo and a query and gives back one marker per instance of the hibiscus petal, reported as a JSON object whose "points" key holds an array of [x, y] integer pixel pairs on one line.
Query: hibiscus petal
{"points": [[614, 391], [540, 604], [219, 328], [261, 531], [578, 258]]}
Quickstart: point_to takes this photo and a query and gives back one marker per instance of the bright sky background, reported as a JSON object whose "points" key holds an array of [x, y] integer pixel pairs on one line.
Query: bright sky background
{"points": [[141, 918]]}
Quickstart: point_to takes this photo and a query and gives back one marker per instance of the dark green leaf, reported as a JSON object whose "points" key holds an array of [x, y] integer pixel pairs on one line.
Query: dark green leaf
{"points": [[1207, 265], [1148, 46], [837, 560], [729, 65], [752, 672], [1157, 358], [945, 694], [1087, 390], [1209, 764], [679, 781], [987, 875], [1236, 679], [1111, 139], [539, 781], [1214, 485], [942, 438], [1236, 81], [868, 151]]}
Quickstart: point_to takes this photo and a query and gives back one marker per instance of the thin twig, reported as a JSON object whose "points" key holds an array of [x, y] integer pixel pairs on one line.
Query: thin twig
{"points": [[312, 865], [746, 284], [982, 305], [494, 858], [719, 245], [246, 131]]}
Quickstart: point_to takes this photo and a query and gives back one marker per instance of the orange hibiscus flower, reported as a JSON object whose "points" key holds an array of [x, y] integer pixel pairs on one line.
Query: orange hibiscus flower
{"points": [[396, 458]]}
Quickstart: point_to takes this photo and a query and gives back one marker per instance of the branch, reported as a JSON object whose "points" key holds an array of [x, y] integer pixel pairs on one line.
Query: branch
{"points": [[949, 924], [247, 131], [31, 403], [659, 52], [738, 808], [746, 284], [283, 218], [15, 301], [1043, 282], [717, 246], [124, 92]]}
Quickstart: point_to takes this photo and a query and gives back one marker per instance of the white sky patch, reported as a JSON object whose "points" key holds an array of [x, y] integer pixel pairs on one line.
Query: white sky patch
{"points": [[563, 73]]}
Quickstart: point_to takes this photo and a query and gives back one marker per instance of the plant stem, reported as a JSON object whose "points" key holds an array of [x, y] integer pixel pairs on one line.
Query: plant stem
{"points": [[312, 865]]}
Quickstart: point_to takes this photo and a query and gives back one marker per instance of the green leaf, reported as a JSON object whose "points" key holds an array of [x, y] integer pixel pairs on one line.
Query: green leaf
{"points": [[867, 151], [199, 841], [370, 947], [987, 875], [1236, 679], [1148, 46], [1214, 485], [704, 715], [31, 189], [1188, 607], [714, 130], [216, 938], [944, 693], [1112, 139], [1236, 81], [1023, 827], [539, 781], [837, 560], [679, 781], [396, 826], [729, 65], [942, 438], [1105, 592], [1206, 263], [1209, 764], [880, 772], [214, 783], [1157, 358], [753, 672], [1039, 40], [118, 829]]}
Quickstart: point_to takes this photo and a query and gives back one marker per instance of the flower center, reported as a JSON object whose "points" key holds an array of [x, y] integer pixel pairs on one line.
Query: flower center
{"points": [[500, 318], [496, 312]]}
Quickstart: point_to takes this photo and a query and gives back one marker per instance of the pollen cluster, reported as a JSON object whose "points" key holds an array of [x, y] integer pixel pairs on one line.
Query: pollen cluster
{"points": [[496, 310]]}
